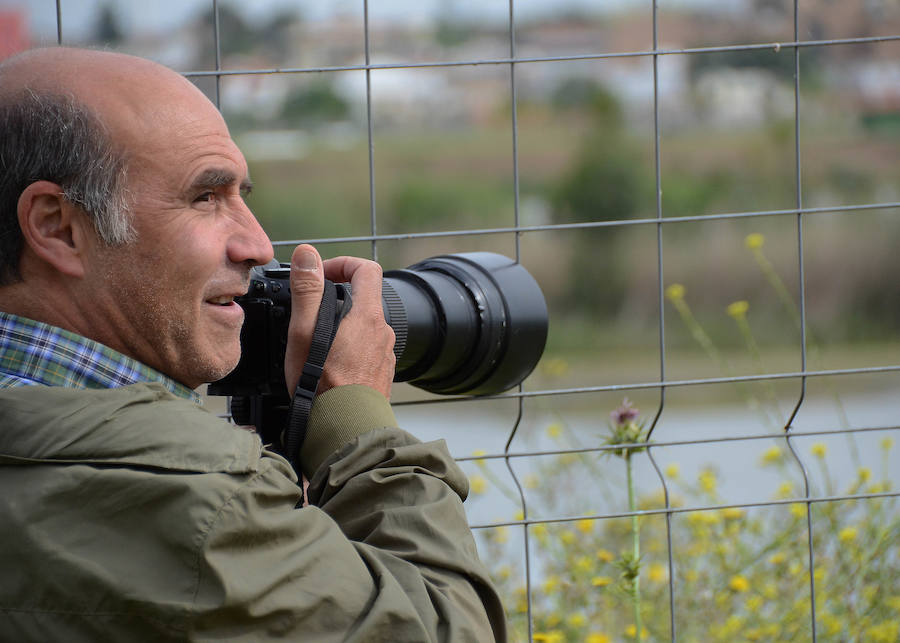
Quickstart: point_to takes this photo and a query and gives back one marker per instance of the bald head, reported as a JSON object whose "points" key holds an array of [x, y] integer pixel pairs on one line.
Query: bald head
{"points": [[125, 92], [84, 120]]}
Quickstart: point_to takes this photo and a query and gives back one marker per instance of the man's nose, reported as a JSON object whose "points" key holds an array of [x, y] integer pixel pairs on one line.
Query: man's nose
{"points": [[249, 243]]}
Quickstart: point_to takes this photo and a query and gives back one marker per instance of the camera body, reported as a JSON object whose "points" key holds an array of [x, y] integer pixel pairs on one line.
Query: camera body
{"points": [[465, 324]]}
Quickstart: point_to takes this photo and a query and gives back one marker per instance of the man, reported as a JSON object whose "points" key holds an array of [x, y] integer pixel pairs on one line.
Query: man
{"points": [[128, 511]]}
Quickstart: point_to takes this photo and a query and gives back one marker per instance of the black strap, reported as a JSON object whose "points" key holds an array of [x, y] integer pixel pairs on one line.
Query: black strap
{"points": [[301, 404]]}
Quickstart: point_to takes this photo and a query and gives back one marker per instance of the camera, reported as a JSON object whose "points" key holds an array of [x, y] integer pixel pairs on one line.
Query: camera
{"points": [[465, 324]]}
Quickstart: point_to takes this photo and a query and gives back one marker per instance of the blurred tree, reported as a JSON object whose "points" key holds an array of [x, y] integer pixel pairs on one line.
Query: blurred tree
{"points": [[449, 29], [606, 181], [314, 103]]}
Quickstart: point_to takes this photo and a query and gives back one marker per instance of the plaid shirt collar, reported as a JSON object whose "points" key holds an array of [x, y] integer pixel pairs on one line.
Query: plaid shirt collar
{"points": [[36, 353]]}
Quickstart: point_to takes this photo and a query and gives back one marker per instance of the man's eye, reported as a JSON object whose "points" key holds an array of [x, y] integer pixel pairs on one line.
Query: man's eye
{"points": [[206, 197]]}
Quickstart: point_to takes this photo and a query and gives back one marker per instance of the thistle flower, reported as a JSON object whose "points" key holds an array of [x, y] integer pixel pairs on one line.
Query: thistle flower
{"points": [[624, 429], [625, 413]]}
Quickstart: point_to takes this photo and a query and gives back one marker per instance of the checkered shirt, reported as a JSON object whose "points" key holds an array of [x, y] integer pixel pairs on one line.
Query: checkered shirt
{"points": [[34, 353]]}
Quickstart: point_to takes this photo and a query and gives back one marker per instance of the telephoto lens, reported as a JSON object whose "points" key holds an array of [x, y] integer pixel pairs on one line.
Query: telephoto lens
{"points": [[469, 323], [465, 324]]}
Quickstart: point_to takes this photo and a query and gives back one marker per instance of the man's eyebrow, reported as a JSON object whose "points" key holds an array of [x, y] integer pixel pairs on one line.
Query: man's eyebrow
{"points": [[216, 178]]}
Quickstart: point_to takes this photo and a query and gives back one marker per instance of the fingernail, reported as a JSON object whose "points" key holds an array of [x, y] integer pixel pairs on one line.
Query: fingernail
{"points": [[305, 261]]}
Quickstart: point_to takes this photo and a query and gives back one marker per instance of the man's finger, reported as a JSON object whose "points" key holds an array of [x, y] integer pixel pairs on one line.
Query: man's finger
{"points": [[307, 283]]}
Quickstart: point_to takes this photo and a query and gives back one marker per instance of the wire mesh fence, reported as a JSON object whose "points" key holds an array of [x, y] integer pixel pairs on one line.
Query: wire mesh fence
{"points": [[708, 194]]}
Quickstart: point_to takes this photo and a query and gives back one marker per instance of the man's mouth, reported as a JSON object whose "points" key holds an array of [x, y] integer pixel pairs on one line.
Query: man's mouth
{"points": [[221, 301]]}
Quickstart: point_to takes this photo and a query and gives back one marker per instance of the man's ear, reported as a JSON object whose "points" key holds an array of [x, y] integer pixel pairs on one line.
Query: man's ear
{"points": [[55, 230]]}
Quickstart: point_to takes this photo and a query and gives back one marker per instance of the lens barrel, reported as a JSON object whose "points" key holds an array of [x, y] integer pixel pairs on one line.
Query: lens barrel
{"points": [[468, 323]]}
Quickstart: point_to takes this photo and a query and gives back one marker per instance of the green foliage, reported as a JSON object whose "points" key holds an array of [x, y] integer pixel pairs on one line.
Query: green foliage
{"points": [[605, 181], [314, 103], [780, 62]]}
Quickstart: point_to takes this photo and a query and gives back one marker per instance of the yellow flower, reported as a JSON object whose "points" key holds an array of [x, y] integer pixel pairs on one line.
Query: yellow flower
{"points": [[886, 631], [605, 556], [601, 581], [577, 620], [505, 572], [864, 473], [798, 510], [584, 564], [657, 572], [519, 515], [785, 490], [501, 535], [704, 518], [777, 558], [477, 485], [478, 453], [553, 636], [833, 624], [631, 631], [738, 309], [673, 470], [540, 531], [567, 537], [739, 583], [675, 292], [887, 443], [754, 240], [598, 637], [772, 455], [531, 481], [847, 535], [554, 430], [818, 450], [754, 603], [733, 513], [585, 526], [555, 366], [551, 584], [707, 480]]}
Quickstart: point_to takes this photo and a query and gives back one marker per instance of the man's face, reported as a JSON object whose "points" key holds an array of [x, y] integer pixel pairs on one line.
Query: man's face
{"points": [[168, 297]]}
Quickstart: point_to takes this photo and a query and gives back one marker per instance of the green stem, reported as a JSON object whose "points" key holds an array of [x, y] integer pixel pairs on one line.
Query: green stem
{"points": [[635, 551]]}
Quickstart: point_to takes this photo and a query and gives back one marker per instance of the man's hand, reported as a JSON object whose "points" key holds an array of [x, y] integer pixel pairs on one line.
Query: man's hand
{"points": [[362, 352]]}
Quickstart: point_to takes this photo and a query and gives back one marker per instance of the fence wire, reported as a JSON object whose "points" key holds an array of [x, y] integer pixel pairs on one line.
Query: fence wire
{"points": [[801, 213]]}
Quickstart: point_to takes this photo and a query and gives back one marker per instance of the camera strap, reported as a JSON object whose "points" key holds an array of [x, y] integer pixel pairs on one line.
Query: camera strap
{"points": [[329, 317]]}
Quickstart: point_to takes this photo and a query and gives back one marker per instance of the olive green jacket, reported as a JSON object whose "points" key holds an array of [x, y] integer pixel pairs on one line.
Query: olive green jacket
{"points": [[130, 514]]}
